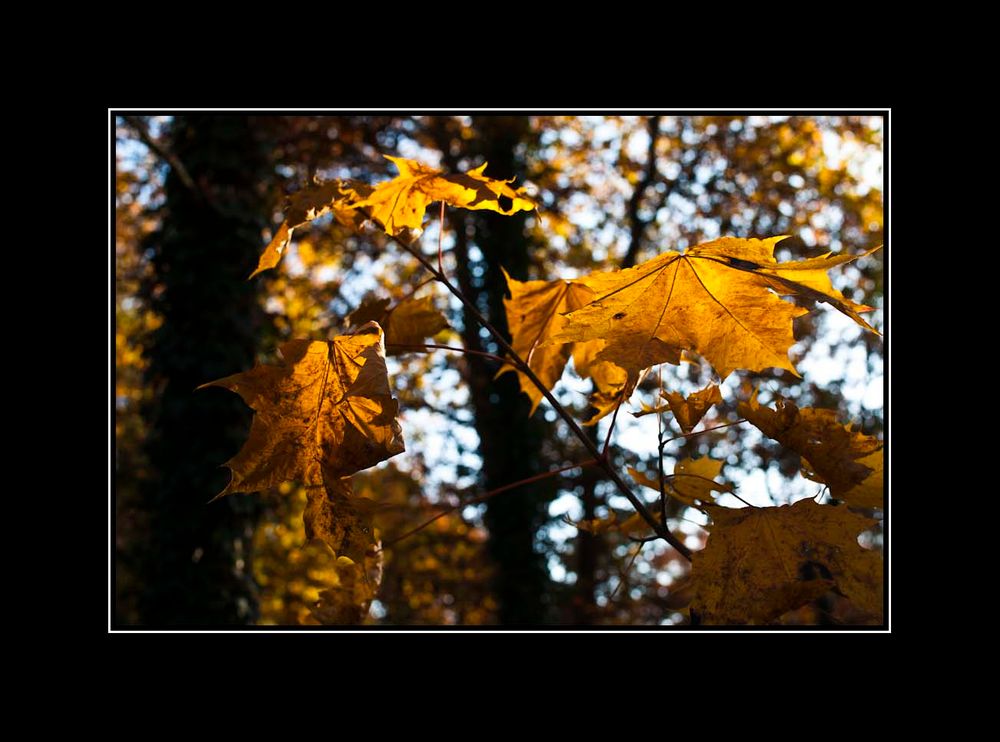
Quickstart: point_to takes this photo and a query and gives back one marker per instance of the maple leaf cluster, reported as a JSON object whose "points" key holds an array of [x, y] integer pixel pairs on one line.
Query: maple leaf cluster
{"points": [[328, 412]]}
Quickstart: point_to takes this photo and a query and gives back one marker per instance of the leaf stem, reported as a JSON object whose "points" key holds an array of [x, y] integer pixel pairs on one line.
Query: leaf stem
{"points": [[706, 430], [659, 528]]}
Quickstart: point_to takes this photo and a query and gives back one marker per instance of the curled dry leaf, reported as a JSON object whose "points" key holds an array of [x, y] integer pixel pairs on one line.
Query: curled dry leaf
{"points": [[336, 196], [328, 409], [847, 461], [338, 518], [689, 412]]}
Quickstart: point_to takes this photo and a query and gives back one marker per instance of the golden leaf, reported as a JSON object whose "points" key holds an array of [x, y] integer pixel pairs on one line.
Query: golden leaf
{"points": [[689, 412], [312, 202], [327, 409], [849, 462], [762, 562], [400, 203], [718, 299], [408, 323]]}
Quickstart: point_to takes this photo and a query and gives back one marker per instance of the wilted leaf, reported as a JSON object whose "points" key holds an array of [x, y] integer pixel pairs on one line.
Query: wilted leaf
{"points": [[312, 202], [338, 518], [328, 408], [762, 562], [693, 480], [718, 299], [849, 462], [401, 202], [689, 412], [612, 385], [408, 323]]}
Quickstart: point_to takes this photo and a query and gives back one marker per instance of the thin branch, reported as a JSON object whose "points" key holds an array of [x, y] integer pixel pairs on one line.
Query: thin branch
{"points": [[431, 346], [700, 432], [515, 359], [487, 496]]}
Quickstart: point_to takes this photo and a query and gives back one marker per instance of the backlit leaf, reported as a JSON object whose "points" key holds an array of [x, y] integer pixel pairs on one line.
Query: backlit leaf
{"points": [[400, 203], [718, 299]]}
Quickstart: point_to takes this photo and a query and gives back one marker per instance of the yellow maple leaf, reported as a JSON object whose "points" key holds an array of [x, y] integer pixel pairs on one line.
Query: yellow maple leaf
{"points": [[689, 412], [849, 462], [326, 411], [762, 562], [400, 203], [336, 196], [719, 299], [535, 312], [409, 322]]}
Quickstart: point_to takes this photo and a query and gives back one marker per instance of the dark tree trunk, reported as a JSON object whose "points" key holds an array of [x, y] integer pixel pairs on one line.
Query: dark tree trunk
{"points": [[510, 441], [195, 568]]}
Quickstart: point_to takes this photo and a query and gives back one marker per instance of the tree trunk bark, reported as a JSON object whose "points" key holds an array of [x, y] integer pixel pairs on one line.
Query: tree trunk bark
{"points": [[196, 564]]}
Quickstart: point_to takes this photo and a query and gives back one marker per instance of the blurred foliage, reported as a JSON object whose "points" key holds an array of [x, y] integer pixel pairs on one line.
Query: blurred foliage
{"points": [[604, 203]]}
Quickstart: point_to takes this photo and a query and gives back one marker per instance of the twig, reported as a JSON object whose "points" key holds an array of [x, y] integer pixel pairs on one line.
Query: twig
{"points": [[487, 496]]}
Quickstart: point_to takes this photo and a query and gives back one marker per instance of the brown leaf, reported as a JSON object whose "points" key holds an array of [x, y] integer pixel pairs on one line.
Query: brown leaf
{"points": [[327, 408], [689, 412], [718, 299], [400, 203], [849, 462], [762, 562], [312, 202], [338, 518]]}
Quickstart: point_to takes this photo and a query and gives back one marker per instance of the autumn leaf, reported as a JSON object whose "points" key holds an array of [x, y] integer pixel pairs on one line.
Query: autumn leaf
{"points": [[849, 462], [762, 562], [689, 412], [335, 516], [692, 481], [719, 299], [400, 203], [336, 196], [409, 322], [612, 384], [327, 408]]}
